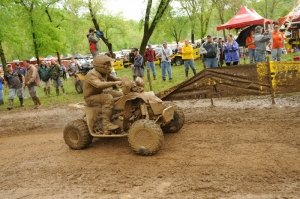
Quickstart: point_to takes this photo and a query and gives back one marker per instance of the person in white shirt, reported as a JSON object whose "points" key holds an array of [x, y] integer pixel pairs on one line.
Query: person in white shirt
{"points": [[166, 56]]}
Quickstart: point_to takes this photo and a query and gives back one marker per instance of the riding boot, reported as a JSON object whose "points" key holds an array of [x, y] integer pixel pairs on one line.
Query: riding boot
{"points": [[186, 74], [194, 71], [106, 115], [10, 104], [45, 91], [21, 101], [63, 89], [57, 91]]}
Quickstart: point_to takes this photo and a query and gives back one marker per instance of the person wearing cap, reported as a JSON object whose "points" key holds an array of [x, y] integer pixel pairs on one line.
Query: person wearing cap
{"points": [[15, 82], [277, 43], [31, 81], [97, 90], [209, 49], [188, 58], [56, 76], [138, 67], [149, 57], [166, 56], [93, 42], [260, 41], [19, 68]]}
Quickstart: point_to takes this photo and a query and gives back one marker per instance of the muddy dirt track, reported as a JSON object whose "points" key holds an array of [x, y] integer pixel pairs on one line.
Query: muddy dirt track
{"points": [[246, 150]]}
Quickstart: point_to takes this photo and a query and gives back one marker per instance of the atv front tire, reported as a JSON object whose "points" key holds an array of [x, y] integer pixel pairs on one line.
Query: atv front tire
{"points": [[76, 134], [145, 137], [176, 124]]}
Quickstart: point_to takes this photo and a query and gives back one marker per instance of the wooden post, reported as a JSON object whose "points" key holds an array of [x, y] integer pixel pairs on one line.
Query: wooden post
{"points": [[149, 79], [272, 91]]}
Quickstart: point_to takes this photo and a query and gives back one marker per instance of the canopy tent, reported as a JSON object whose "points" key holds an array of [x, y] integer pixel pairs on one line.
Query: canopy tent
{"points": [[243, 18], [293, 16]]}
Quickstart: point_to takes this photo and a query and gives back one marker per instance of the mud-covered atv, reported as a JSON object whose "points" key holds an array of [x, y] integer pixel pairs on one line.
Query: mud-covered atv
{"points": [[141, 116]]}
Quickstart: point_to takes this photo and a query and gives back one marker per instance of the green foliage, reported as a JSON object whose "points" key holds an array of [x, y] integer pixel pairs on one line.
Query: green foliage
{"points": [[70, 21]]}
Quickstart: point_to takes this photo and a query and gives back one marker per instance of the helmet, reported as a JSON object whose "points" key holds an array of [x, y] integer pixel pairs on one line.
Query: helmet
{"points": [[101, 65]]}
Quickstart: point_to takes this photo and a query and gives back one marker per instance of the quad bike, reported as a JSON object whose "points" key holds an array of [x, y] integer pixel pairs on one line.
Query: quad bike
{"points": [[141, 116]]}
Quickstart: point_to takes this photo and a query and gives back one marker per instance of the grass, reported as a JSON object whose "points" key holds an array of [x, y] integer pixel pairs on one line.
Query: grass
{"points": [[72, 96]]}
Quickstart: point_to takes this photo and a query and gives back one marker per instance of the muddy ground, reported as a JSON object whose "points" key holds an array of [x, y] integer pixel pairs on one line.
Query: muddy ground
{"points": [[242, 148]]}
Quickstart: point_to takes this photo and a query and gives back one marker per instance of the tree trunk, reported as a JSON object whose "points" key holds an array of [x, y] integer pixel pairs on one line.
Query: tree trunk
{"points": [[36, 51], [144, 43], [192, 36], [58, 57], [2, 56]]}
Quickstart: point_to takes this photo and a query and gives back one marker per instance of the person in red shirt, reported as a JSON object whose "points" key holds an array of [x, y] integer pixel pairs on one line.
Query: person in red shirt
{"points": [[149, 57], [251, 46], [277, 43]]}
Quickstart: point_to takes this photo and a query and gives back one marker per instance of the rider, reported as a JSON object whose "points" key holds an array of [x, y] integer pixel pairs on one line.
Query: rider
{"points": [[97, 89]]}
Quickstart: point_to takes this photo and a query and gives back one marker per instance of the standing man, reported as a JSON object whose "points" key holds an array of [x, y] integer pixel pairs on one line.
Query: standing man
{"points": [[31, 81], [15, 82], [138, 68], [93, 41], [166, 56], [220, 52], [251, 46], [209, 49], [260, 42], [150, 57], [55, 75], [188, 58], [44, 74], [277, 43]]}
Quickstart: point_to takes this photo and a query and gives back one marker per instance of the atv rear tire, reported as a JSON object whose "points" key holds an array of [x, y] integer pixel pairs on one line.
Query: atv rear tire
{"points": [[76, 135], [176, 124], [78, 86], [145, 137]]}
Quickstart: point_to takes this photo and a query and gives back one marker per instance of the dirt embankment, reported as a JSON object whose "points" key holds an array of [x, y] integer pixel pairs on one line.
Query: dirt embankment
{"points": [[221, 152]]}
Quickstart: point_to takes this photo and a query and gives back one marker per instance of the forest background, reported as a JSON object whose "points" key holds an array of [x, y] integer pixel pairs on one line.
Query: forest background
{"points": [[38, 28]]}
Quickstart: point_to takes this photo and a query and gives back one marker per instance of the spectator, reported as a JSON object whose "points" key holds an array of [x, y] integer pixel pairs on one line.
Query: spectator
{"points": [[15, 82], [73, 67], [55, 75], [20, 69], [277, 43], [260, 42], [231, 51], [188, 58], [165, 55], [31, 81], [150, 57], [251, 46], [93, 42], [44, 73], [220, 45], [209, 49], [1, 86], [138, 68]]}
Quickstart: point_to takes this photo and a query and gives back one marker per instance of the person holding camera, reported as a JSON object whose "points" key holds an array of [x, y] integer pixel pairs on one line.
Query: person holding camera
{"points": [[209, 49], [260, 40], [231, 51], [93, 41], [165, 55]]}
